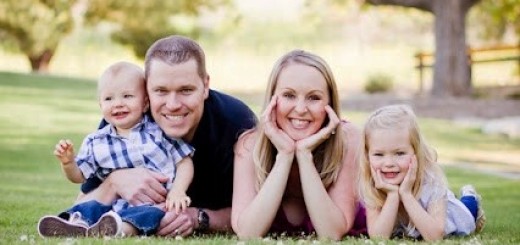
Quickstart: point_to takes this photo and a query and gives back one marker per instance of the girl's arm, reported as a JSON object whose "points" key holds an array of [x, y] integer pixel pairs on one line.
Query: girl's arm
{"points": [[177, 197], [332, 212], [381, 222], [253, 212], [64, 151], [430, 223]]}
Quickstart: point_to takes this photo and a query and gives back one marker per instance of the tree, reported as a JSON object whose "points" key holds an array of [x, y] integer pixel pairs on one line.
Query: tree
{"points": [[499, 16], [140, 23], [451, 73], [35, 28]]}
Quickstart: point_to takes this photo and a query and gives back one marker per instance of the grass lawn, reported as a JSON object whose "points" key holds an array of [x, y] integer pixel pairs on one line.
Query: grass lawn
{"points": [[39, 110]]}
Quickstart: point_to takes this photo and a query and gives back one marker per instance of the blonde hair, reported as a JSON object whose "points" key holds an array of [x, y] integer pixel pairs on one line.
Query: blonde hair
{"points": [[125, 69], [393, 117], [327, 156]]}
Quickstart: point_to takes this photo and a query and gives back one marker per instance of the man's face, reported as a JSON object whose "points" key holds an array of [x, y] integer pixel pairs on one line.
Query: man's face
{"points": [[177, 95]]}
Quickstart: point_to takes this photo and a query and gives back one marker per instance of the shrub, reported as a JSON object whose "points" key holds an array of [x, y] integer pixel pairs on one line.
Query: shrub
{"points": [[378, 83]]}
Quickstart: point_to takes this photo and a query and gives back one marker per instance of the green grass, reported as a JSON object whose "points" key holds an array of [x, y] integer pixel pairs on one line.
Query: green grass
{"points": [[39, 110]]}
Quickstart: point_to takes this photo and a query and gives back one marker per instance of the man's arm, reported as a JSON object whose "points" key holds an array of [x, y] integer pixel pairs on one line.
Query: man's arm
{"points": [[136, 185]]}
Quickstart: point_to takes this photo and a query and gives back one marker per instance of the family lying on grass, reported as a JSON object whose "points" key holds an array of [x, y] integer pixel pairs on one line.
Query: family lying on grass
{"points": [[173, 157]]}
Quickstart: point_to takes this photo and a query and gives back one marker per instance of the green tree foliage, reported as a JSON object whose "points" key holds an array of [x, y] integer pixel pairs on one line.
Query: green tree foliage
{"points": [[139, 23], [497, 16], [35, 28]]}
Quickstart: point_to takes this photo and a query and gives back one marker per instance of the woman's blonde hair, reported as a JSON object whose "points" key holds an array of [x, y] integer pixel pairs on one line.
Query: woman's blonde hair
{"points": [[397, 117], [327, 156]]}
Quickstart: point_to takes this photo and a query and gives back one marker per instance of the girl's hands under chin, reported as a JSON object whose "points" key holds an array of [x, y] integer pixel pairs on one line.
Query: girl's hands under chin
{"points": [[409, 179], [281, 141], [310, 143], [381, 184]]}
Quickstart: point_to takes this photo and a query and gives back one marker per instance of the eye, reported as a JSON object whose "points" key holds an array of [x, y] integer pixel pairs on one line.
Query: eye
{"points": [[400, 153], [107, 98], [160, 91], [288, 95], [314, 97], [186, 91], [128, 96]]}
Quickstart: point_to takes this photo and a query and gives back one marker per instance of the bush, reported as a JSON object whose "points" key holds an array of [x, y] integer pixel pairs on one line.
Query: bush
{"points": [[379, 83]]}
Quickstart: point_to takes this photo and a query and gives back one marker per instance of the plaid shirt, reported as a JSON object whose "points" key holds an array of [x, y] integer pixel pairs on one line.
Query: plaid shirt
{"points": [[146, 146]]}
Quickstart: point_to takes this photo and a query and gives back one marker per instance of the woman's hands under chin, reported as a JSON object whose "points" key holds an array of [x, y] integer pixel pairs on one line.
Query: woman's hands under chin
{"points": [[281, 141], [307, 145]]}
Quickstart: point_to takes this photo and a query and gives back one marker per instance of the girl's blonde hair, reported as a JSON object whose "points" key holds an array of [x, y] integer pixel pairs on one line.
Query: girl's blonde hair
{"points": [[393, 117], [327, 156]]}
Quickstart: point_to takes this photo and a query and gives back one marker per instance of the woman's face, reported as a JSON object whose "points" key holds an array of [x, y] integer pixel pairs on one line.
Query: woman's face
{"points": [[302, 96]]}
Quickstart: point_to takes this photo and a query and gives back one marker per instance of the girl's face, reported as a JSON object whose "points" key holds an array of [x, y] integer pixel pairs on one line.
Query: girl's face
{"points": [[302, 96], [390, 151]]}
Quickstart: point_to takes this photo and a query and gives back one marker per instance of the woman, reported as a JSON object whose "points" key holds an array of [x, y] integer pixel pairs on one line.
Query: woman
{"points": [[295, 172]]}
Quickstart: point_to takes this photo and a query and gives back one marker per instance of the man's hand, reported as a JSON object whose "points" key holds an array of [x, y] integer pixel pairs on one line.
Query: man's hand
{"points": [[182, 224], [139, 185]]}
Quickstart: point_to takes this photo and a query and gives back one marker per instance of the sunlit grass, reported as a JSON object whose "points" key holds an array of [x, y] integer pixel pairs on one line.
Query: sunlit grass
{"points": [[39, 110]]}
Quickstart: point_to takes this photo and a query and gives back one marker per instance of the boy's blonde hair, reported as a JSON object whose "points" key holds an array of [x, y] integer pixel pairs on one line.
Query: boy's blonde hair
{"points": [[394, 117], [327, 156], [122, 68]]}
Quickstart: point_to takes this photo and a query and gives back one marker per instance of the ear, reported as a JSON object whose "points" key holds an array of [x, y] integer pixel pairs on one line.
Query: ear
{"points": [[206, 87]]}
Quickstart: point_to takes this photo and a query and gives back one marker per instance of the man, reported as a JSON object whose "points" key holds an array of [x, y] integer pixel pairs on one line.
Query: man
{"points": [[182, 104]]}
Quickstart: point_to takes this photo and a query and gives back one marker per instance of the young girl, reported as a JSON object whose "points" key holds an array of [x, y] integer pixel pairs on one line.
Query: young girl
{"points": [[402, 186]]}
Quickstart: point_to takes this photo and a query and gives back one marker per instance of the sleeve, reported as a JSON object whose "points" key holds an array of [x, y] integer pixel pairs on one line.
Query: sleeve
{"points": [[180, 150], [85, 158]]}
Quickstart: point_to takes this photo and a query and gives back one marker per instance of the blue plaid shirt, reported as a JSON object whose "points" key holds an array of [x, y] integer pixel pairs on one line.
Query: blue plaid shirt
{"points": [[146, 146]]}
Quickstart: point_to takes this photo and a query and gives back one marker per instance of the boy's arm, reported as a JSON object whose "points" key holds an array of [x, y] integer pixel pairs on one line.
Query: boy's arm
{"points": [[64, 151], [72, 172], [177, 197]]}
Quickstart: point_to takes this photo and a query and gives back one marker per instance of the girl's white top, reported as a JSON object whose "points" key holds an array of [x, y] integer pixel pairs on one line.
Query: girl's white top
{"points": [[459, 220]]}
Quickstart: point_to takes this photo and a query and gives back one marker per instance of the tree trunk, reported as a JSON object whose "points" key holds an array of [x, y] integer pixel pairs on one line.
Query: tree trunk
{"points": [[40, 62], [451, 75]]}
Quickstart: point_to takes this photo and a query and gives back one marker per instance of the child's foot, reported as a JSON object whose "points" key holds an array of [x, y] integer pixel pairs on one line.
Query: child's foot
{"points": [[109, 225], [469, 190], [54, 226]]}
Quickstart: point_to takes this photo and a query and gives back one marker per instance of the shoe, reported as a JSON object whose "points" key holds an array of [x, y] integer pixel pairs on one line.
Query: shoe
{"points": [[109, 225], [54, 226], [469, 190]]}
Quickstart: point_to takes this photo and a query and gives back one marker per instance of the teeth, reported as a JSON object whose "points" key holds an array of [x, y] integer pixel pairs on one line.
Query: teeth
{"points": [[174, 118], [299, 123]]}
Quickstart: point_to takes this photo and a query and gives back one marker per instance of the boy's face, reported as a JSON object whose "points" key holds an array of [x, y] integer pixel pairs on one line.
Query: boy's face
{"points": [[177, 95], [123, 101]]}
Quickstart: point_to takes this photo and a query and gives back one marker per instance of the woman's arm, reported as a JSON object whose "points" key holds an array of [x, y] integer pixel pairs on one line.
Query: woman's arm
{"points": [[332, 213], [253, 212]]}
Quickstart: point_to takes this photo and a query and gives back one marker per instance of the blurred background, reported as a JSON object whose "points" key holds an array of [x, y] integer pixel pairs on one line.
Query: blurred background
{"points": [[367, 43]]}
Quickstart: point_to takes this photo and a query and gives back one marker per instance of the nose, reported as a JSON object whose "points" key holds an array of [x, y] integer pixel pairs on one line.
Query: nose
{"points": [[118, 102], [172, 102], [301, 106], [389, 161]]}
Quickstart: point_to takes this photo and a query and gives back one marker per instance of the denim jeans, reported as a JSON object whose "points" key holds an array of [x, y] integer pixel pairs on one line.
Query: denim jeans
{"points": [[471, 203], [144, 218]]}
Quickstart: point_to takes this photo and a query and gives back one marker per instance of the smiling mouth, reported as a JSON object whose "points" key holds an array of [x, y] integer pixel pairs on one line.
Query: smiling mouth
{"points": [[390, 175], [175, 118], [297, 123], [119, 114]]}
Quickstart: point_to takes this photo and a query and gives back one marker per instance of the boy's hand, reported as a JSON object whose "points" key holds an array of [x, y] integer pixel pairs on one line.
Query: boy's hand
{"points": [[64, 151], [177, 200]]}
